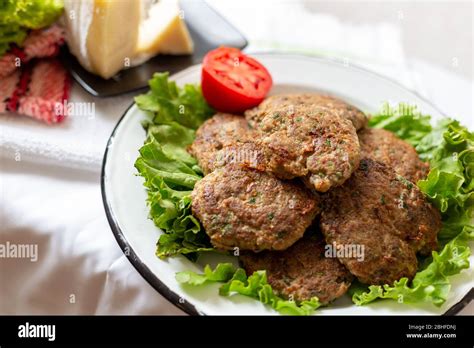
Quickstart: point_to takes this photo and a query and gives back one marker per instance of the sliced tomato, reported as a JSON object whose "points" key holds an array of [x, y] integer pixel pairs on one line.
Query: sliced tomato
{"points": [[232, 81]]}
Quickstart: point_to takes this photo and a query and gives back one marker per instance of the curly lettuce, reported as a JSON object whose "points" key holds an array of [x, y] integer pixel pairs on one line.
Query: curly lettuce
{"points": [[170, 172], [449, 148], [235, 281], [19, 16], [404, 120], [166, 103]]}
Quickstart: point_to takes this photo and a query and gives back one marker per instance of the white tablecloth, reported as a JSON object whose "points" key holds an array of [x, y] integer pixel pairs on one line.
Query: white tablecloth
{"points": [[50, 191]]}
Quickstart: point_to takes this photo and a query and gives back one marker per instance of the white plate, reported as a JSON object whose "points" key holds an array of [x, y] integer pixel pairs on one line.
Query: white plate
{"points": [[124, 195]]}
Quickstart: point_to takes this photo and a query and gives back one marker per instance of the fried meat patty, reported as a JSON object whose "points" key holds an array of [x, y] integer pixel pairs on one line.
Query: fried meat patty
{"points": [[252, 210], [384, 146], [338, 106], [216, 133], [387, 215], [302, 271], [305, 140]]}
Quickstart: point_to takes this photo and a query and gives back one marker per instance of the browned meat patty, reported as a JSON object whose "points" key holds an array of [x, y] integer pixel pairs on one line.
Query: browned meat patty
{"points": [[252, 210], [384, 146], [216, 133], [387, 215], [338, 106], [302, 271], [306, 140]]}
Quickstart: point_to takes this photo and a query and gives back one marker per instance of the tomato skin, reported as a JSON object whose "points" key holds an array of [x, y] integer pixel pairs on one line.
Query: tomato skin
{"points": [[225, 99], [232, 88]]}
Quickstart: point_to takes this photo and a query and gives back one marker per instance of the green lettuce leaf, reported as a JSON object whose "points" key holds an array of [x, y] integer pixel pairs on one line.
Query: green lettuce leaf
{"points": [[255, 286], [9, 34], [404, 120], [222, 273], [170, 172], [169, 103], [18, 16], [36, 14], [449, 148]]}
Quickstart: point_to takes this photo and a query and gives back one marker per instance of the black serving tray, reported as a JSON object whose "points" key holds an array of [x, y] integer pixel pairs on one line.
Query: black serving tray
{"points": [[208, 30]]}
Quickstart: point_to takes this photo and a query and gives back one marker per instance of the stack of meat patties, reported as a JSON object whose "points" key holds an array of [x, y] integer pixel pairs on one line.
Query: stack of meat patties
{"points": [[301, 175]]}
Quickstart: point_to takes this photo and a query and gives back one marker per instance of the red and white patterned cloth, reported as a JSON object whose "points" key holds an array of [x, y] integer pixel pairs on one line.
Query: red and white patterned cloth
{"points": [[32, 81]]}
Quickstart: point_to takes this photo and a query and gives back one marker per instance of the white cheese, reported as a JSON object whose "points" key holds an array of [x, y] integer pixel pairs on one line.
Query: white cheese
{"points": [[107, 36], [113, 35], [164, 30], [103, 34]]}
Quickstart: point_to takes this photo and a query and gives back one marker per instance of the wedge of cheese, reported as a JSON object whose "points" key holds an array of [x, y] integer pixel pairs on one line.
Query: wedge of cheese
{"points": [[103, 34], [107, 36], [164, 31], [111, 44]]}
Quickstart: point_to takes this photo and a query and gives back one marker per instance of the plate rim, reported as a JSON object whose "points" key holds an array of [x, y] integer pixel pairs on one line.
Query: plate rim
{"points": [[143, 269]]}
